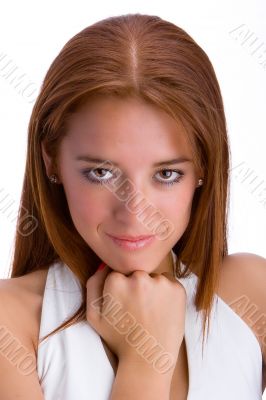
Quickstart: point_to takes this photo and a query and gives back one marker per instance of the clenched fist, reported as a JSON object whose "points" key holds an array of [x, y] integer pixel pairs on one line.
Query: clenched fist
{"points": [[140, 316]]}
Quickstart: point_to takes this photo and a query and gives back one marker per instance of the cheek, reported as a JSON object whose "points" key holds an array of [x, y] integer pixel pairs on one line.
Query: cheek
{"points": [[179, 202], [85, 208], [178, 208]]}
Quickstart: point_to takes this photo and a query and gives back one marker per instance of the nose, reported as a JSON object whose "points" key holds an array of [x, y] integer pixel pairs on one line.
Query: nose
{"points": [[131, 205], [133, 209]]}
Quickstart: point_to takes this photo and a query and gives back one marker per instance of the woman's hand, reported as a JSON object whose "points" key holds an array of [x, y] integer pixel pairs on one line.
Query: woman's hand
{"points": [[151, 306]]}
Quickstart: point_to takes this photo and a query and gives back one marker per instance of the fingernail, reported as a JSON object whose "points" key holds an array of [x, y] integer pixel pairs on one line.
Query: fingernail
{"points": [[101, 266]]}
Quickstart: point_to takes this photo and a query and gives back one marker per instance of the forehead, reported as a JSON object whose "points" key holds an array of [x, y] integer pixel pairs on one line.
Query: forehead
{"points": [[126, 125]]}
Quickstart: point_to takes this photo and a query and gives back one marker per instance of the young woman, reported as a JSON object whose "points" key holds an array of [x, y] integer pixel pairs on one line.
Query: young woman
{"points": [[128, 169]]}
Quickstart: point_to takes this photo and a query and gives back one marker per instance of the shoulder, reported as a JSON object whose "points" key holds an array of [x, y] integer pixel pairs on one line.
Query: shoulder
{"points": [[20, 300], [245, 274], [23, 296], [250, 269], [242, 285]]}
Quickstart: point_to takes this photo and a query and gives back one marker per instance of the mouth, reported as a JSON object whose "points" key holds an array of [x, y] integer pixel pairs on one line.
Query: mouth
{"points": [[133, 243], [131, 238]]}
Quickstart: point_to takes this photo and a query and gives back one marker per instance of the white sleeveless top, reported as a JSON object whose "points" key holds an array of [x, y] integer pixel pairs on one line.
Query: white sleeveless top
{"points": [[72, 364]]}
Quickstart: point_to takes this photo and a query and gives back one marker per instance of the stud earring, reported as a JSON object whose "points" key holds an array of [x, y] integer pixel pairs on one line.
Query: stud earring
{"points": [[53, 178], [200, 182]]}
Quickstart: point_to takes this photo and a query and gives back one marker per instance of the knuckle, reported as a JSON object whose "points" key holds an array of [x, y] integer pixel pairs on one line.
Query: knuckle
{"points": [[161, 278], [140, 279], [181, 289], [114, 278], [139, 274]]}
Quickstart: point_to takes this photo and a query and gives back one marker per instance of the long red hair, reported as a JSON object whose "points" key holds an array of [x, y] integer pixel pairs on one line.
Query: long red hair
{"points": [[149, 58]]}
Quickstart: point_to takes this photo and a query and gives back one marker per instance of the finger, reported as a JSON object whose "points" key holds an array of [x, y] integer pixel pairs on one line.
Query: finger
{"points": [[170, 277], [176, 282], [95, 285]]}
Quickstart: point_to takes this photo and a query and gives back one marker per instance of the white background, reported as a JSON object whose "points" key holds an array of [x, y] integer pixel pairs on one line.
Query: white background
{"points": [[233, 34]]}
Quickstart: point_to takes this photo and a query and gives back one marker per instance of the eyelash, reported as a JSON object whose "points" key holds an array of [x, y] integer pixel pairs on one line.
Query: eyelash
{"points": [[101, 182]]}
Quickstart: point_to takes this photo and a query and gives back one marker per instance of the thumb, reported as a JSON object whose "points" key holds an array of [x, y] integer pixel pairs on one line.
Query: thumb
{"points": [[95, 285]]}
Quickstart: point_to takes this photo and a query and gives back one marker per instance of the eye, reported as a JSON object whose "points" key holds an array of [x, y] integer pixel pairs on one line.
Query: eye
{"points": [[103, 177], [169, 172], [93, 176]]}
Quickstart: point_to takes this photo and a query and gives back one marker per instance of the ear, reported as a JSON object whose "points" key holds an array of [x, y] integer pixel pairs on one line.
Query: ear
{"points": [[47, 161]]}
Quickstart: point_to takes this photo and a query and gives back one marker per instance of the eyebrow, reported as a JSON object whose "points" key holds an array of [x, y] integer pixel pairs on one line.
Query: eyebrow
{"points": [[157, 164]]}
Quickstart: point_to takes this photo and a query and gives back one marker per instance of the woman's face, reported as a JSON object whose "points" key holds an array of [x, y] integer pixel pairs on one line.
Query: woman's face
{"points": [[131, 137]]}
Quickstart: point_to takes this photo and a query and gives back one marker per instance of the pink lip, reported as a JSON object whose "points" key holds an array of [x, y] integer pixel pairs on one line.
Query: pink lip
{"points": [[133, 244], [131, 238]]}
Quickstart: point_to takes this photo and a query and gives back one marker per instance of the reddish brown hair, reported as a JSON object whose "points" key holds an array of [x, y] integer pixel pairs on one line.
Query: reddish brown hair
{"points": [[152, 59]]}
